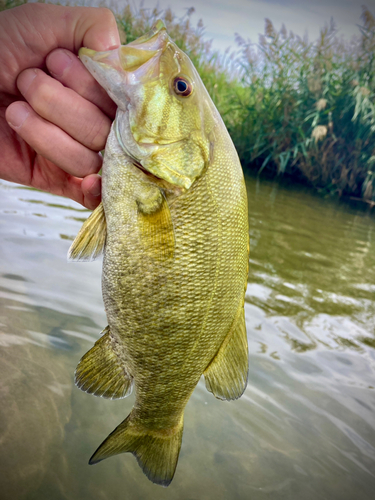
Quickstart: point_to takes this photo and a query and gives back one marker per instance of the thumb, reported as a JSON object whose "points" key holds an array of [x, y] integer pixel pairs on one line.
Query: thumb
{"points": [[30, 32]]}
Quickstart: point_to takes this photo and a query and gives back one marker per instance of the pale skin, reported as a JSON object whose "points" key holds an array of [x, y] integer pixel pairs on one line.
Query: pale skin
{"points": [[54, 117]]}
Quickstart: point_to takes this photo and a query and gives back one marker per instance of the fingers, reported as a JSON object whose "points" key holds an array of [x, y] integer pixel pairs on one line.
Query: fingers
{"points": [[92, 189], [75, 107], [29, 32], [62, 106], [68, 69], [86, 191], [48, 177], [51, 142], [96, 29]]}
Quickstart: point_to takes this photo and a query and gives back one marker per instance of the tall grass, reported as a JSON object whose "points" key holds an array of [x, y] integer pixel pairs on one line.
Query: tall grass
{"points": [[306, 109]]}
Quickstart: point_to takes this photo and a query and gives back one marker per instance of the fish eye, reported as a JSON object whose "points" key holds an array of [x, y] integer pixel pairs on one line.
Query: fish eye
{"points": [[182, 86]]}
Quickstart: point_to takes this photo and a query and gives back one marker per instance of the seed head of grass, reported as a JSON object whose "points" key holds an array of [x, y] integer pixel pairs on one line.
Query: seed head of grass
{"points": [[321, 104], [319, 132]]}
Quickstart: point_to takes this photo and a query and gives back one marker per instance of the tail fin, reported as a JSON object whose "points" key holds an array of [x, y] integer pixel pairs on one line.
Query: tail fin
{"points": [[156, 451]]}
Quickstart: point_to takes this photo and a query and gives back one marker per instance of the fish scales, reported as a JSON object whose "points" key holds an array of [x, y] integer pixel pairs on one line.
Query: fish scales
{"points": [[175, 303], [175, 255]]}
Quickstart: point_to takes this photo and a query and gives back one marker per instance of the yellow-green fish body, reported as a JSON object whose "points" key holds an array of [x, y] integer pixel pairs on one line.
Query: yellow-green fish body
{"points": [[174, 223]]}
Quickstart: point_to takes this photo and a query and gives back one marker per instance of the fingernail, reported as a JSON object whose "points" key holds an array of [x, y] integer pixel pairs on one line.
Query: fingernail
{"points": [[96, 190], [93, 185], [25, 80], [58, 62], [16, 115]]}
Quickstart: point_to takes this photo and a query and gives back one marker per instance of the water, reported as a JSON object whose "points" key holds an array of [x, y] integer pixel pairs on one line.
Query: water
{"points": [[305, 427]]}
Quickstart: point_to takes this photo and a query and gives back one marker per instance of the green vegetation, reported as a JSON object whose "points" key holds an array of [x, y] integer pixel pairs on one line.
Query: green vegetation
{"points": [[305, 109], [9, 4]]}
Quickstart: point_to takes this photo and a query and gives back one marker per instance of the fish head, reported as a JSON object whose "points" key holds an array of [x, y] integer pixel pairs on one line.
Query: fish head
{"points": [[163, 120]]}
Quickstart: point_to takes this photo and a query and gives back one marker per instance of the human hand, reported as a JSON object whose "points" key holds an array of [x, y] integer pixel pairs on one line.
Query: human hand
{"points": [[52, 126]]}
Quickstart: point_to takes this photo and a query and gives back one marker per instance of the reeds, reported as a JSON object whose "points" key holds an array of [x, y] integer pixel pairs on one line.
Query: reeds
{"points": [[307, 109]]}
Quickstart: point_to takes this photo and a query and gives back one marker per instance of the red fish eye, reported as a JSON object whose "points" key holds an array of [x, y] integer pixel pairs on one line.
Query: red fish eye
{"points": [[182, 86]]}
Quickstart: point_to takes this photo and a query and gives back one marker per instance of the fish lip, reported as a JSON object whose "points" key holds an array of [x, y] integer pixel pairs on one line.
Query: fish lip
{"points": [[155, 38], [84, 51], [155, 41]]}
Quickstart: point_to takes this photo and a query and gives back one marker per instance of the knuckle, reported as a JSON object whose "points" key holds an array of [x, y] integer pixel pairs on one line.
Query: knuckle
{"points": [[96, 135], [39, 92], [43, 98]]}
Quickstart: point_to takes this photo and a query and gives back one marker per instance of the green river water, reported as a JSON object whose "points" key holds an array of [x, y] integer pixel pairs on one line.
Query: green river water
{"points": [[305, 427]]}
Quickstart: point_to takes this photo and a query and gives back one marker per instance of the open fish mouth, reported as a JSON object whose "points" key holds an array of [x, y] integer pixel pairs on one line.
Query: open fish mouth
{"points": [[128, 64]]}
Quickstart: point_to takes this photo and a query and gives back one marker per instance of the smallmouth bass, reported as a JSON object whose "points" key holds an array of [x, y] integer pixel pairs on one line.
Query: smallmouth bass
{"points": [[174, 232]]}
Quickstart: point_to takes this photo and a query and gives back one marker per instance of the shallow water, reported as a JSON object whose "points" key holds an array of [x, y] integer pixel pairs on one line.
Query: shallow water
{"points": [[305, 427]]}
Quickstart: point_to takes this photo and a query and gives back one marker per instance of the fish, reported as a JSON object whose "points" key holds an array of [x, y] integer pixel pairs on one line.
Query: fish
{"points": [[173, 229]]}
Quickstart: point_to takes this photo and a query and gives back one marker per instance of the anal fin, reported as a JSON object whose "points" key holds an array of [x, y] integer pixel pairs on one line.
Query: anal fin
{"points": [[226, 375], [90, 241], [101, 373]]}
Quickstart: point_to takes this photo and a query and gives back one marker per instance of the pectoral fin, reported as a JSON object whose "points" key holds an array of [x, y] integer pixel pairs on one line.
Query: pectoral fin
{"points": [[156, 231], [101, 373], [90, 241], [226, 375]]}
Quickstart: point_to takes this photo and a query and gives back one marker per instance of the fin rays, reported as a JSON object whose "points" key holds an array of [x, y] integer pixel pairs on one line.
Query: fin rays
{"points": [[90, 241], [156, 451], [100, 373], [226, 375], [157, 233]]}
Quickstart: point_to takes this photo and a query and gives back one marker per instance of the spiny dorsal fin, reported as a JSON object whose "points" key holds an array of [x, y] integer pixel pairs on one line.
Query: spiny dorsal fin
{"points": [[101, 373], [156, 450], [90, 241], [157, 233], [226, 375]]}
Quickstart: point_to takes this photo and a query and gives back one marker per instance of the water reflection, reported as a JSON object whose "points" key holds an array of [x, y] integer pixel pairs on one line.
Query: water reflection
{"points": [[305, 427]]}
